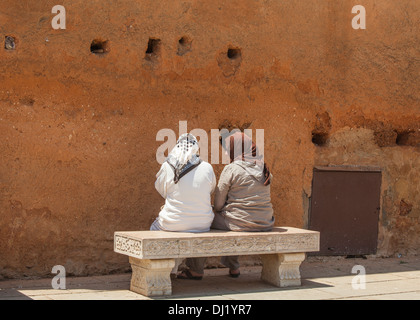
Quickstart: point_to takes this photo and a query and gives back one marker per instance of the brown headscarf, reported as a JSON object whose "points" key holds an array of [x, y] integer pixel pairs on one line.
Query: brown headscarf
{"points": [[245, 149]]}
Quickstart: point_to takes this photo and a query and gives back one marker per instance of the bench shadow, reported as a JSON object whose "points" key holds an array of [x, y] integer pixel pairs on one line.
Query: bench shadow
{"points": [[215, 287], [13, 294]]}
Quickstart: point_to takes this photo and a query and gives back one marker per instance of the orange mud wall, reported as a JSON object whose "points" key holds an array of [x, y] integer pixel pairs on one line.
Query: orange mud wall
{"points": [[78, 129]]}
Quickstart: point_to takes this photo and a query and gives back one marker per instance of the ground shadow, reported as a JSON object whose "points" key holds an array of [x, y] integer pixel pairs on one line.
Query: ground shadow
{"points": [[223, 285]]}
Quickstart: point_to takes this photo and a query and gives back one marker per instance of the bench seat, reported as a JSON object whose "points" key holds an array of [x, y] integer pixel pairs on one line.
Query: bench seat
{"points": [[152, 254]]}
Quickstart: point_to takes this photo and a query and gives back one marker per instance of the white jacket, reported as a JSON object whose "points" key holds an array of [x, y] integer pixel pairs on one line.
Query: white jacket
{"points": [[188, 203]]}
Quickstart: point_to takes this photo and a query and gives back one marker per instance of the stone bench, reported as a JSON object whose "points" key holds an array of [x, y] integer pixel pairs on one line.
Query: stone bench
{"points": [[152, 253]]}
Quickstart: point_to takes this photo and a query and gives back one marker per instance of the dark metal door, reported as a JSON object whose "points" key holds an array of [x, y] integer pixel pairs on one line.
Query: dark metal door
{"points": [[345, 209]]}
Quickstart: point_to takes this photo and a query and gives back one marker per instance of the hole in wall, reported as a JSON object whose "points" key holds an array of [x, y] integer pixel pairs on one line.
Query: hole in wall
{"points": [[99, 46], [183, 41], [10, 43], [184, 45], [403, 138], [153, 48], [230, 61], [320, 133], [234, 53], [319, 138]]}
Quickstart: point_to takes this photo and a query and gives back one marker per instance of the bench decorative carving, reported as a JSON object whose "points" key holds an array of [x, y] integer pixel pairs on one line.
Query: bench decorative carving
{"points": [[152, 253]]}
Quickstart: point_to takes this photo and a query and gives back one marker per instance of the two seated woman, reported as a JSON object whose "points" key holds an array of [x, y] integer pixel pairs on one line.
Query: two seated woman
{"points": [[241, 201]]}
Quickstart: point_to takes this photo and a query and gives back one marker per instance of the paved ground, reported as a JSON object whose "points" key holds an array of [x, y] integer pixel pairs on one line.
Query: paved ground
{"points": [[323, 278]]}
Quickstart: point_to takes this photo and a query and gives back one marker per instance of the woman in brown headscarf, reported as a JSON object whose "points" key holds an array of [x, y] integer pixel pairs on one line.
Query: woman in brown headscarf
{"points": [[242, 199]]}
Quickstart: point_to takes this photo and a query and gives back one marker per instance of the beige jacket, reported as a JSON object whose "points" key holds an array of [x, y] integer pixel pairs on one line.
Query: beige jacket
{"points": [[242, 198]]}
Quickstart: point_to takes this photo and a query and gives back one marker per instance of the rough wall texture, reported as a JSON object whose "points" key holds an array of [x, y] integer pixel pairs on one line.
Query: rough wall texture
{"points": [[78, 129]]}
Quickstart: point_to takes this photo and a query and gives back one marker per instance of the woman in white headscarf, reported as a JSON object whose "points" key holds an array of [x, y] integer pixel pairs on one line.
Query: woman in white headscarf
{"points": [[186, 183]]}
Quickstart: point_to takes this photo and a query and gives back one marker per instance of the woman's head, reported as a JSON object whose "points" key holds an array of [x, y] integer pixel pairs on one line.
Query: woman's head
{"points": [[186, 147], [184, 156], [240, 147]]}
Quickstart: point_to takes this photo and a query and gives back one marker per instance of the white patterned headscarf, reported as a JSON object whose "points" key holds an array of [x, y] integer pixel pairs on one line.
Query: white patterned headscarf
{"points": [[184, 156]]}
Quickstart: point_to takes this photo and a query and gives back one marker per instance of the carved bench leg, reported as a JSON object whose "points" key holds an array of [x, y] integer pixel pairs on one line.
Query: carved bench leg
{"points": [[151, 277], [282, 270]]}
